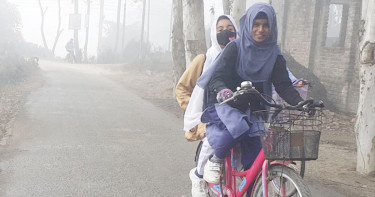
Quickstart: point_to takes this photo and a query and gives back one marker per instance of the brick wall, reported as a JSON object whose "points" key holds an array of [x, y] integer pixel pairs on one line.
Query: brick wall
{"points": [[304, 35], [297, 35]]}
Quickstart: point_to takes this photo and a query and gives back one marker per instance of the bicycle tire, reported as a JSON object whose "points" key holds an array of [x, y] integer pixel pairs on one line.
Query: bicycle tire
{"points": [[296, 186], [299, 167]]}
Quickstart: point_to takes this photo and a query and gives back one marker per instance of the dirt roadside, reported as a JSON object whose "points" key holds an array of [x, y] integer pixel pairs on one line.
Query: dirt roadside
{"points": [[12, 99], [335, 167]]}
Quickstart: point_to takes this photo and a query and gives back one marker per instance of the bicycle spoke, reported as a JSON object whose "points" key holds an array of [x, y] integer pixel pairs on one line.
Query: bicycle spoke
{"points": [[283, 182]]}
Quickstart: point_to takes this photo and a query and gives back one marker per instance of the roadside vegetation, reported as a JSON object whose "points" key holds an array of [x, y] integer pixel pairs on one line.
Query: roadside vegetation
{"points": [[18, 66]]}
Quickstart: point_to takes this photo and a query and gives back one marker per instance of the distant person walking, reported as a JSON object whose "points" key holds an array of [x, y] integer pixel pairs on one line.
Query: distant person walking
{"points": [[70, 49]]}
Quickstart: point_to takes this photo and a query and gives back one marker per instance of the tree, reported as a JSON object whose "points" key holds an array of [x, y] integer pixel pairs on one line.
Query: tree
{"points": [[87, 30], [227, 5], [148, 22], [100, 34], [195, 41], [59, 30], [170, 29], [118, 25], [123, 27], [178, 46], [239, 8], [142, 33], [10, 23], [42, 13], [77, 50], [365, 125]]}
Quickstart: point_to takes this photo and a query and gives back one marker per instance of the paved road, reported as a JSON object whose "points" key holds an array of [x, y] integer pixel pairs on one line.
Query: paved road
{"points": [[83, 134]]}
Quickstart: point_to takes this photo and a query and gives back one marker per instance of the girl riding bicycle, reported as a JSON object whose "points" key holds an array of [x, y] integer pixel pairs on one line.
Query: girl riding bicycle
{"points": [[254, 57], [223, 31]]}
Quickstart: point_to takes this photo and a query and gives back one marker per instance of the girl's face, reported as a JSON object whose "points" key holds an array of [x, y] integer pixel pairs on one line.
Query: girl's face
{"points": [[224, 24], [260, 30], [225, 32]]}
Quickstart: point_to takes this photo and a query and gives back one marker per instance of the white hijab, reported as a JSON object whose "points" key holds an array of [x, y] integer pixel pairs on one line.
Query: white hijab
{"points": [[194, 108]]}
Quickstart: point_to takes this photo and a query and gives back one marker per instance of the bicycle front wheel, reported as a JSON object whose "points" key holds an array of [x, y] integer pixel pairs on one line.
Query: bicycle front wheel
{"points": [[283, 182]]}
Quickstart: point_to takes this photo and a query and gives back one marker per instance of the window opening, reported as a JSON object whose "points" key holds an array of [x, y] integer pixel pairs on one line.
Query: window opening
{"points": [[334, 25]]}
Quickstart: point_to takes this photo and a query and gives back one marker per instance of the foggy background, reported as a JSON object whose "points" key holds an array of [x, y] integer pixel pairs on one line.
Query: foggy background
{"points": [[159, 26], [31, 20]]}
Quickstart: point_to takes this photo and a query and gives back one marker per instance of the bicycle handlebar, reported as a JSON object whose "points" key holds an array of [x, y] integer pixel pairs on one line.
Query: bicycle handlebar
{"points": [[248, 88]]}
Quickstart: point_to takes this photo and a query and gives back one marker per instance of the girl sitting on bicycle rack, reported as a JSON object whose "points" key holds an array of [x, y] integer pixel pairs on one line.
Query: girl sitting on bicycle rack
{"points": [[256, 57], [190, 97]]}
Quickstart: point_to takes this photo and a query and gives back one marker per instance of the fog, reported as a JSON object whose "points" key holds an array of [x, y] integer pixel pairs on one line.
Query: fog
{"points": [[159, 26], [31, 19]]}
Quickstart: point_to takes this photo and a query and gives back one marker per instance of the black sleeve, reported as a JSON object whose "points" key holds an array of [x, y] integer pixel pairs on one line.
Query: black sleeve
{"points": [[225, 70], [282, 83]]}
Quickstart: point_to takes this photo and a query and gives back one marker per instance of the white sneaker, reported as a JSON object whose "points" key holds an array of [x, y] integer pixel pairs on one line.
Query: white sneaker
{"points": [[198, 185], [212, 172]]}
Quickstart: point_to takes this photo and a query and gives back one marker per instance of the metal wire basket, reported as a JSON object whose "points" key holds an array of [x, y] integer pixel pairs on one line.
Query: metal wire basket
{"points": [[290, 135]]}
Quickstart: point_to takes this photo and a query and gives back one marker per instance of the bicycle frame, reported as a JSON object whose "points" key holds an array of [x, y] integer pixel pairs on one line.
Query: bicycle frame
{"points": [[260, 164], [230, 187]]}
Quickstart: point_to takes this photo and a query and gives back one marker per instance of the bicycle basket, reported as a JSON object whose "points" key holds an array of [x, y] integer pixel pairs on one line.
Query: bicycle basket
{"points": [[291, 135]]}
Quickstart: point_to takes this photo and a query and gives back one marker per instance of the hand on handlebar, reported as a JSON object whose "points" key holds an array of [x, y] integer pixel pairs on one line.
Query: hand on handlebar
{"points": [[241, 98], [310, 111], [309, 106], [223, 95]]}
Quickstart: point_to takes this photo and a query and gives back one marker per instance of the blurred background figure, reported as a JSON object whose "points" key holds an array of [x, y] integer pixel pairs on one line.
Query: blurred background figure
{"points": [[70, 49]]}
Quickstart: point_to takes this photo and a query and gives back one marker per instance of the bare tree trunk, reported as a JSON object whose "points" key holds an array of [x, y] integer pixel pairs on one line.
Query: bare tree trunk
{"points": [[148, 22], [365, 125], [142, 33], [195, 41], [118, 26], [239, 8], [227, 6], [170, 29], [42, 13], [123, 27], [100, 34], [178, 46], [77, 50], [87, 30], [59, 30]]}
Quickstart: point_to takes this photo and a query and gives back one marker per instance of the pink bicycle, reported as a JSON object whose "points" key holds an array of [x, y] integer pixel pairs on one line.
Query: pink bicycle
{"points": [[288, 134]]}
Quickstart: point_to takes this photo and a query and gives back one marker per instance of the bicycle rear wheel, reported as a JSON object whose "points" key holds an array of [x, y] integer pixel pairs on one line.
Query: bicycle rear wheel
{"points": [[282, 181]]}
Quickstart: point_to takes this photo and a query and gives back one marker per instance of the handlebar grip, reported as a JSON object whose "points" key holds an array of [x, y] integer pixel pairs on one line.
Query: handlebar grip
{"points": [[319, 104], [246, 88], [302, 103], [308, 103]]}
